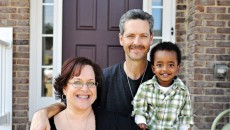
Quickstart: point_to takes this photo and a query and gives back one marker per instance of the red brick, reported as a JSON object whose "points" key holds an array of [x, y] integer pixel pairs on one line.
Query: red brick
{"points": [[20, 3], [20, 120], [223, 16], [200, 8], [20, 114], [215, 50], [180, 20], [23, 23], [203, 99], [20, 68], [4, 16], [223, 84], [23, 10], [20, 94], [223, 30], [22, 100], [204, 2], [216, 23], [223, 2], [181, 7], [214, 91], [22, 62], [216, 9], [204, 57], [23, 49], [222, 99], [22, 74], [20, 80], [204, 16], [20, 107], [205, 29], [21, 55], [213, 106], [4, 3], [19, 16], [215, 37], [223, 57], [7, 10]]}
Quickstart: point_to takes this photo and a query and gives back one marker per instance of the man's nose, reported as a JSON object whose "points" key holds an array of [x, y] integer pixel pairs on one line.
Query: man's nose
{"points": [[137, 41]]}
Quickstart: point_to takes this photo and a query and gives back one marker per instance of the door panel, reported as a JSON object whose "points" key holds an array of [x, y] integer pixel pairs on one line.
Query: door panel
{"points": [[90, 29]]}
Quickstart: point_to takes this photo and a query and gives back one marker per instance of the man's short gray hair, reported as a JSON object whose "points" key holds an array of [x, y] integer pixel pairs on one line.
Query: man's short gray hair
{"points": [[136, 14]]}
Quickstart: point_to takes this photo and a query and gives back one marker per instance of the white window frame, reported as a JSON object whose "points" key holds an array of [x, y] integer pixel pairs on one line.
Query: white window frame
{"points": [[35, 100], [168, 19], [6, 69]]}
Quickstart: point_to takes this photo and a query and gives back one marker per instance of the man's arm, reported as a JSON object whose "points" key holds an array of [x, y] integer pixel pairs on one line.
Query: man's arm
{"points": [[40, 118]]}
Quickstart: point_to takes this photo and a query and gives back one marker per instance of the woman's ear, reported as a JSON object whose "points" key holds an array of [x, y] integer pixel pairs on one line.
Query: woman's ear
{"points": [[64, 90]]}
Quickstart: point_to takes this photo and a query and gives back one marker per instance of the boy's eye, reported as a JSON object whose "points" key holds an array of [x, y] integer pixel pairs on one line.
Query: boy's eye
{"points": [[159, 65], [171, 65]]}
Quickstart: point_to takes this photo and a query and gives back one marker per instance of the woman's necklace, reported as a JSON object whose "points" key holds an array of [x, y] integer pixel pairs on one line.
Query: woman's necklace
{"points": [[70, 123], [140, 82]]}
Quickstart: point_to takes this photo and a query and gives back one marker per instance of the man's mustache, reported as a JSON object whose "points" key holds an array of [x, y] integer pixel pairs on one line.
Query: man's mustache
{"points": [[136, 47]]}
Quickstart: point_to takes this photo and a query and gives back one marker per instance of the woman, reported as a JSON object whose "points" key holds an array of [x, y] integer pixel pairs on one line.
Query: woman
{"points": [[79, 86]]}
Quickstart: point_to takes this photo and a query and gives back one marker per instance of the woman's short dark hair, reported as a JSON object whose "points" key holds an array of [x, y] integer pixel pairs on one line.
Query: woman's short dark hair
{"points": [[72, 67]]}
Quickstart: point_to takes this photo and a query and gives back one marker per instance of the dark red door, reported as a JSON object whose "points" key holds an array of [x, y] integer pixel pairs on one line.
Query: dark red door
{"points": [[90, 29]]}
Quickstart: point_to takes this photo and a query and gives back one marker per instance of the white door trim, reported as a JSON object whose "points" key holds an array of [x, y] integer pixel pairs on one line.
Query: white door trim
{"points": [[35, 100], [6, 69]]}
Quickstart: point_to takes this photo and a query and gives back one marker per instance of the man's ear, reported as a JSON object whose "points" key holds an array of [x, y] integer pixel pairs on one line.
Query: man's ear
{"points": [[151, 39], [120, 39]]}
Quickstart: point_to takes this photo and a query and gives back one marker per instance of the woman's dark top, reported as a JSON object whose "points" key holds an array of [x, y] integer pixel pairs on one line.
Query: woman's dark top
{"points": [[107, 121]]}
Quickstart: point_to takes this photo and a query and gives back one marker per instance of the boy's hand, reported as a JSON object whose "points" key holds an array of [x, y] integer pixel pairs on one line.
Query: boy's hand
{"points": [[143, 126], [40, 121]]}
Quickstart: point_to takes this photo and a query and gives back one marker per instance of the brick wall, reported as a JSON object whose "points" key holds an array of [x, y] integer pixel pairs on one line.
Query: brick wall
{"points": [[15, 13], [203, 33]]}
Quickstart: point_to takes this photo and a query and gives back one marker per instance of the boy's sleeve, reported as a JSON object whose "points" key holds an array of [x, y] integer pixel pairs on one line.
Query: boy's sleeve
{"points": [[139, 102], [186, 116]]}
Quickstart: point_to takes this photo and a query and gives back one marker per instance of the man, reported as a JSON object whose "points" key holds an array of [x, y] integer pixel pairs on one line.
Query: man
{"points": [[121, 81]]}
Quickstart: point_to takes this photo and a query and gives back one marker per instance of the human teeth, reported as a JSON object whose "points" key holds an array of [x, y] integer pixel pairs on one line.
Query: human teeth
{"points": [[82, 96]]}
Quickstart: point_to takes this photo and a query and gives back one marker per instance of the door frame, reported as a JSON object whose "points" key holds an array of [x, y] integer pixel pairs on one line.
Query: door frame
{"points": [[35, 100]]}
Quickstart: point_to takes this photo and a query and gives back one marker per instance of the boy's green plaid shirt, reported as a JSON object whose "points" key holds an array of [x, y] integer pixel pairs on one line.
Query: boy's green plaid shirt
{"points": [[163, 111]]}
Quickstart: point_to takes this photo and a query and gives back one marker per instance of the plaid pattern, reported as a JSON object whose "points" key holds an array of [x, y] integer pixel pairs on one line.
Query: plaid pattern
{"points": [[163, 111]]}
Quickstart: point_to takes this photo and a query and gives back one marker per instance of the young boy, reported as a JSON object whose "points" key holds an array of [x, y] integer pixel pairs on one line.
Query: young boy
{"points": [[163, 102]]}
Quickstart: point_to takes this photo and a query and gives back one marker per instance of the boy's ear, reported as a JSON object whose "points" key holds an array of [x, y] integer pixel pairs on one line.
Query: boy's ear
{"points": [[153, 68], [178, 68]]}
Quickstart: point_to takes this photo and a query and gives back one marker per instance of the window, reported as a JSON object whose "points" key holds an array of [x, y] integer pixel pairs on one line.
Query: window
{"points": [[45, 51], [163, 12]]}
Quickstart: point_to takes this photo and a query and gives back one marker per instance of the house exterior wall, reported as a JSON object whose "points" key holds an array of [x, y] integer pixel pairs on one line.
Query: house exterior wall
{"points": [[202, 32], [15, 13]]}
